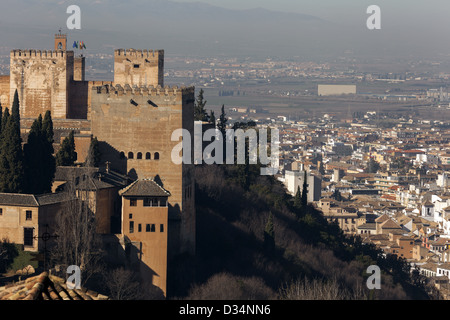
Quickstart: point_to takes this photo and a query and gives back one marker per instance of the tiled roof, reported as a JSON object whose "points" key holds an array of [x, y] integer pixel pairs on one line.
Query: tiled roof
{"points": [[69, 173], [30, 200], [18, 199], [389, 224], [382, 218], [51, 198], [100, 178], [144, 188], [368, 225], [46, 287]]}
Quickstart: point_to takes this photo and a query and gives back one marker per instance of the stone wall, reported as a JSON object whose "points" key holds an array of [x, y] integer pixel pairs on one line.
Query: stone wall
{"points": [[4, 92], [42, 79]]}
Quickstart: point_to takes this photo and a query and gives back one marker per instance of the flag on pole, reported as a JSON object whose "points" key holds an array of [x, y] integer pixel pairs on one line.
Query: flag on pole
{"points": [[75, 45]]}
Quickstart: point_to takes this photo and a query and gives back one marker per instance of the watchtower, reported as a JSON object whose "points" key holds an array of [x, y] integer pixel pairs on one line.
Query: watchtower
{"points": [[60, 41], [139, 67]]}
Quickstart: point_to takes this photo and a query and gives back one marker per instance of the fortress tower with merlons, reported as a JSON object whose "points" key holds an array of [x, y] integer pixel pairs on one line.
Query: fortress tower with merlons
{"points": [[133, 118]]}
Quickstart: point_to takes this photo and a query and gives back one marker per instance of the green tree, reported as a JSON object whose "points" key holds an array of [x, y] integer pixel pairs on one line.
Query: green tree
{"points": [[47, 128], [38, 157], [212, 117], [48, 139], [298, 199], [94, 155], [200, 113], [373, 166], [5, 117], [305, 191], [1, 114], [66, 155], [222, 124], [33, 158], [12, 174], [15, 109], [337, 195], [269, 233]]}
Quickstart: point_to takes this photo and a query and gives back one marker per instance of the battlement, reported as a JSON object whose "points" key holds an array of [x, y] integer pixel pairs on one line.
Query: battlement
{"points": [[119, 90], [30, 53], [138, 53]]}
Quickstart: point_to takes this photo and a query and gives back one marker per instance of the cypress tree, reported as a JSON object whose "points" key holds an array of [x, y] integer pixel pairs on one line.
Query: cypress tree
{"points": [[38, 156], [48, 158], [298, 199], [15, 113], [212, 117], [12, 174], [5, 117], [66, 155], [222, 124], [1, 116], [94, 155], [200, 113], [33, 158], [47, 128], [269, 234], [305, 191]]}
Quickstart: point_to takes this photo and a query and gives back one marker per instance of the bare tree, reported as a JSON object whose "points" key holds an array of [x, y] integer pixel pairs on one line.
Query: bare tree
{"points": [[317, 289], [225, 286], [122, 284], [77, 241]]}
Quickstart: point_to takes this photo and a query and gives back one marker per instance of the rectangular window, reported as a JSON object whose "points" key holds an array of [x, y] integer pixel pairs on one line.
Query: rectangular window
{"points": [[136, 66], [163, 203], [147, 202], [28, 236], [152, 228], [28, 215], [131, 226], [133, 202], [130, 216], [161, 228], [154, 202], [147, 228], [139, 227], [1, 211]]}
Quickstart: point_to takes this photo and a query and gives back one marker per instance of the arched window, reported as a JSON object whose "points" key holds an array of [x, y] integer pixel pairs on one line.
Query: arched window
{"points": [[139, 155], [122, 155], [156, 155], [148, 156], [130, 155]]}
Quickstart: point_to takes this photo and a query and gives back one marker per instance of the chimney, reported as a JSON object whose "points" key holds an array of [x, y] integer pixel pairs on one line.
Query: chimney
{"points": [[107, 166]]}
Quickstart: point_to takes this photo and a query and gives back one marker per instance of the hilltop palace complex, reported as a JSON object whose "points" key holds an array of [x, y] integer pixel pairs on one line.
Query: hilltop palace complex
{"points": [[142, 200]]}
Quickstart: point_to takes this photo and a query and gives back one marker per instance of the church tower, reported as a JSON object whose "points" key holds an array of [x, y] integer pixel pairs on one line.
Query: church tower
{"points": [[60, 41]]}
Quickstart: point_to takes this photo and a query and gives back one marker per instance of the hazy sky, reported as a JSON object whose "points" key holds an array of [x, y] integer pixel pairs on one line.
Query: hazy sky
{"points": [[407, 26], [334, 9]]}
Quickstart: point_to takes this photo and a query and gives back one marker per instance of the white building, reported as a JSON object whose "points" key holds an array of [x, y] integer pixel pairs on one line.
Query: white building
{"points": [[294, 179]]}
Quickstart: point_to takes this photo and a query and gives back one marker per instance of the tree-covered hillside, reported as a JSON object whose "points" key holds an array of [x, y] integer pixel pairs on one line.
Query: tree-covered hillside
{"points": [[254, 241]]}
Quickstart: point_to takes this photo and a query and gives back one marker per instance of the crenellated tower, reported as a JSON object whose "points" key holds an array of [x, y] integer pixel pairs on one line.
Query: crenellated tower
{"points": [[139, 67], [42, 80]]}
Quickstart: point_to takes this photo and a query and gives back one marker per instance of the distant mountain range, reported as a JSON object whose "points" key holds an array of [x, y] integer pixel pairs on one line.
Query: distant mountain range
{"points": [[192, 29]]}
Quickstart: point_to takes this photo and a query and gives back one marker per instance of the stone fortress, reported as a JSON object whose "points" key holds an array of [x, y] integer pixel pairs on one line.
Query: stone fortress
{"points": [[133, 118]]}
